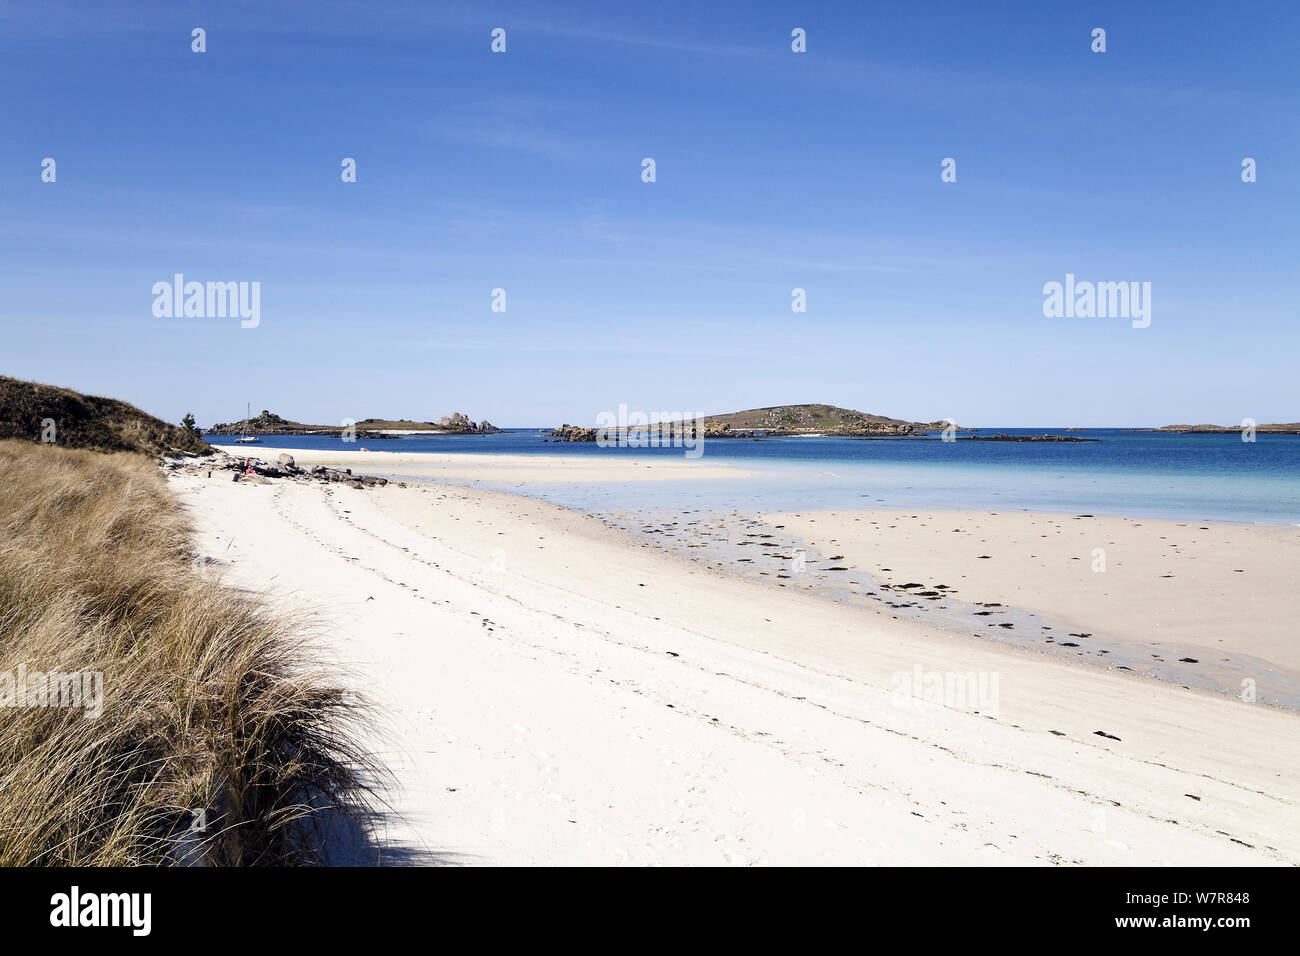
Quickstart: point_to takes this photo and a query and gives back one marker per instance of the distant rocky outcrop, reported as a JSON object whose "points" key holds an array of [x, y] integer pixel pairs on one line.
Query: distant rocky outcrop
{"points": [[657, 433], [568, 432], [370, 429], [1293, 428], [820, 419], [773, 421], [268, 423], [459, 424]]}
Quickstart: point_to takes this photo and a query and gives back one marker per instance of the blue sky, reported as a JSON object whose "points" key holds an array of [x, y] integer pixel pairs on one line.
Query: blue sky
{"points": [[775, 170]]}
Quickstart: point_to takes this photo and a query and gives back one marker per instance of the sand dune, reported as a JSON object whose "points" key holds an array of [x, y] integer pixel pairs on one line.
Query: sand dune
{"points": [[559, 692]]}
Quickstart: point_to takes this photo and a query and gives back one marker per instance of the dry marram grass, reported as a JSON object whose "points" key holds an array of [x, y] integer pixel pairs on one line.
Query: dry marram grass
{"points": [[210, 702]]}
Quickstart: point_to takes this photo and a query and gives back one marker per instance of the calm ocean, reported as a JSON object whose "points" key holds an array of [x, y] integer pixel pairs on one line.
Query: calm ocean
{"points": [[1182, 477]]}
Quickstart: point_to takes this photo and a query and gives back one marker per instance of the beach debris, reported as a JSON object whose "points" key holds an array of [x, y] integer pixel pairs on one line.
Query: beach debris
{"points": [[1102, 733]]}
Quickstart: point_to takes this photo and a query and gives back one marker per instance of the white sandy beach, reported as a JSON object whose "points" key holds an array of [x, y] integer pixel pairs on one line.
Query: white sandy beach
{"points": [[558, 692]]}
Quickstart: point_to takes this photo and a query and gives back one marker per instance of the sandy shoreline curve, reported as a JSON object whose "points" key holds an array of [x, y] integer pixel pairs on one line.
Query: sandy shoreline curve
{"points": [[558, 691]]}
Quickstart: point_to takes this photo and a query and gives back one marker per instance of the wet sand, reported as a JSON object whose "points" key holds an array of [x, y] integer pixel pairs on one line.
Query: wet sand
{"points": [[1209, 605]]}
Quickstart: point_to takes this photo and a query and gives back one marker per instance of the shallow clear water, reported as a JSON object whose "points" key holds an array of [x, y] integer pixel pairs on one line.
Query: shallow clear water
{"points": [[1184, 477]]}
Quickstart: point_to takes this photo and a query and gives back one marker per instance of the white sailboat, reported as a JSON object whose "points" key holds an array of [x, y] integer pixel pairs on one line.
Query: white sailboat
{"points": [[247, 437]]}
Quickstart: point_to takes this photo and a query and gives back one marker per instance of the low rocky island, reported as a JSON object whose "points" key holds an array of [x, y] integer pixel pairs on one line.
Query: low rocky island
{"points": [[268, 423], [774, 421], [369, 429], [810, 420], [1293, 428]]}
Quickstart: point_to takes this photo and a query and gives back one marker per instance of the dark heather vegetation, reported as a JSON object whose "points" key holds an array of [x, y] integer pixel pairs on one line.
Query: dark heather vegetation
{"points": [[34, 411]]}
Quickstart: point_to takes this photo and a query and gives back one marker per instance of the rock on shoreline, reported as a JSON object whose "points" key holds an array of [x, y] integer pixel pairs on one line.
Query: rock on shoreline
{"points": [[263, 472]]}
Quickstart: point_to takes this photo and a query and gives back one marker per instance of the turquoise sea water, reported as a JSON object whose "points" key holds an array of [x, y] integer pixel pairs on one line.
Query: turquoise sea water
{"points": [[1182, 477]]}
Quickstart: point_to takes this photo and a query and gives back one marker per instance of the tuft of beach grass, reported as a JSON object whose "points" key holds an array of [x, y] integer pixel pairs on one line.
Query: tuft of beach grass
{"points": [[220, 742]]}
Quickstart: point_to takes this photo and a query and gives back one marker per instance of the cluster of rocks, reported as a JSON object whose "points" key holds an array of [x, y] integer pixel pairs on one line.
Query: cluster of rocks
{"points": [[456, 422], [659, 432], [263, 472], [867, 429], [724, 430], [568, 432]]}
